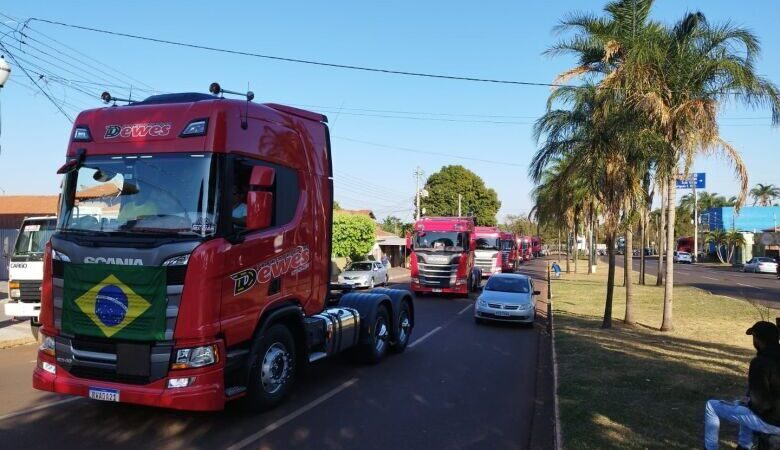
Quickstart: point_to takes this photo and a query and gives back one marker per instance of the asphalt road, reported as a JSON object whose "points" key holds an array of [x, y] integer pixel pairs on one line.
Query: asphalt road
{"points": [[458, 385], [728, 281]]}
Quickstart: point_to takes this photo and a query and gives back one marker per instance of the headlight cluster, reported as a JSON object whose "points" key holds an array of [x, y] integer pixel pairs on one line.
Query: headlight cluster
{"points": [[47, 346], [481, 303], [190, 358]]}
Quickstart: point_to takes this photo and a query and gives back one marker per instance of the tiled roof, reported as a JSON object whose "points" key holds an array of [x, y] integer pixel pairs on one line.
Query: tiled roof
{"points": [[28, 204]]}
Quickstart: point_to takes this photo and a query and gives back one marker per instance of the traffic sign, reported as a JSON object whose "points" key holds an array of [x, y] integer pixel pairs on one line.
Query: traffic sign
{"points": [[694, 179]]}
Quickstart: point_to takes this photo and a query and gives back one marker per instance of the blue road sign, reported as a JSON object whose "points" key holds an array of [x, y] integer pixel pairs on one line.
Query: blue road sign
{"points": [[697, 179]]}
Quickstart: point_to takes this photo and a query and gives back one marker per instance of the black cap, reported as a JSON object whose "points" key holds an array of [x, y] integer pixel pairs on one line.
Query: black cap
{"points": [[765, 331]]}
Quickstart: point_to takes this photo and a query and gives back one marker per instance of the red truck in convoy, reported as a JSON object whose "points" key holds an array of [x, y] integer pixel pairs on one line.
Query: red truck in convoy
{"points": [[685, 244], [191, 261], [487, 252], [510, 256], [442, 256], [536, 246], [524, 243]]}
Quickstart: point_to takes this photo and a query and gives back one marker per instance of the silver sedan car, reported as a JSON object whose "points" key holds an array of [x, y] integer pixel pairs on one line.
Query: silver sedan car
{"points": [[507, 297], [762, 264], [365, 274]]}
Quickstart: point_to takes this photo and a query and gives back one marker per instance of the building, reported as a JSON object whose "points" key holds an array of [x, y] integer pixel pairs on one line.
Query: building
{"points": [[13, 209], [386, 243], [749, 218]]}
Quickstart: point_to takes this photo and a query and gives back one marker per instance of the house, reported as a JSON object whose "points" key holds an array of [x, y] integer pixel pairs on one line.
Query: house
{"points": [[386, 243]]}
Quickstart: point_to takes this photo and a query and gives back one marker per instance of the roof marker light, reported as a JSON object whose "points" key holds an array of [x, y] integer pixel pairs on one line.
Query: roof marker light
{"points": [[197, 127], [82, 134]]}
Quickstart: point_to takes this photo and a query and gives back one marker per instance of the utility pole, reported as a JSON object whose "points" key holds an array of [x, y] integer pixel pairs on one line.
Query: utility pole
{"points": [[418, 173], [460, 197], [695, 223]]}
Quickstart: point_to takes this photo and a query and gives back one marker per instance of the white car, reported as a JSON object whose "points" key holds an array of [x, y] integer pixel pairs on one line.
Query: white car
{"points": [[683, 257], [507, 297], [760, 264], [365, 274]]}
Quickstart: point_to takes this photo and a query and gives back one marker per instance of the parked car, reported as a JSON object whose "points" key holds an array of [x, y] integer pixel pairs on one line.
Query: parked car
{"points": [[760, 264], [507, 297], [365, 274], [683, 257]]}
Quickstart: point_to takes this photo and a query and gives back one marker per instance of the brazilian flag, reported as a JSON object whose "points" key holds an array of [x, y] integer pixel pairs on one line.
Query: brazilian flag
{"points": [[114, 301]]}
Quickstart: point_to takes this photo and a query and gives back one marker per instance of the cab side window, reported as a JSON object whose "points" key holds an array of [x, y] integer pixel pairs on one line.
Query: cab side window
{"points": [[286, 192]]}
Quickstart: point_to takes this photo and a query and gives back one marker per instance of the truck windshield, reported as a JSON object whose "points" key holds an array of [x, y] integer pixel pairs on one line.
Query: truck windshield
{"points": [[439, 240], [507, 245], [33, 237], [487, 243], [169, 194]]}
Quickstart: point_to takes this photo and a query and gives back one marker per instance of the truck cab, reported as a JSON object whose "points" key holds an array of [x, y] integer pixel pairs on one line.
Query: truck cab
{"points": [[442, 256], [25, 270], [510, 260], [487, 253], [191, 261]]}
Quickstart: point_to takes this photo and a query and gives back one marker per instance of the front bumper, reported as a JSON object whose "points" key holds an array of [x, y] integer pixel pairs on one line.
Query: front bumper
{"points": [[356, 283], [760, 270], [502, 315], [457, 289], [21, 309], [207, 393]]}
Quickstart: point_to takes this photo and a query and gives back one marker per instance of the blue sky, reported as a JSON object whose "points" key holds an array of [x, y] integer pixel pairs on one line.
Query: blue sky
{"points": [[502, 40]]}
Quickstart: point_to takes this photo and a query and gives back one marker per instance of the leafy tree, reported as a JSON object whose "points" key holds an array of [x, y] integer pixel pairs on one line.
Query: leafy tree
{"points": [[764, 194], [392, 224], [520, 225], [336, 206], [444, 186], [354, 235]]}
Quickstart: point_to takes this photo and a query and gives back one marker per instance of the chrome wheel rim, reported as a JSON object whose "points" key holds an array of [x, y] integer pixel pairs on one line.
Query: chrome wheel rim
{"points": [[380, 335], [405, 328], [275, 368]]}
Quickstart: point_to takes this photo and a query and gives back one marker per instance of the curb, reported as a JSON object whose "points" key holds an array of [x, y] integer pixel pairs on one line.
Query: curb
{"points": [[16, 342], [556, 407]]}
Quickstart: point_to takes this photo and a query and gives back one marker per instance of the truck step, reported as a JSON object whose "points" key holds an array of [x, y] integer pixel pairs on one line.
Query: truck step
{"points": [[316, 356], [233, 391]]}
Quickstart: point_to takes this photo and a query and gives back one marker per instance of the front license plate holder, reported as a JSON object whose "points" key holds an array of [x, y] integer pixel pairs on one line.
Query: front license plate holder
{"points": [[104, 394], [436, 290], [502, 313]]}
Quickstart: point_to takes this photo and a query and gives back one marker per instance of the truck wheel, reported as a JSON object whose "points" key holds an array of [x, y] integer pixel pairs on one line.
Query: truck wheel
{"points": [[376, 347], [272, 368], [387, 280], [405, 327]]}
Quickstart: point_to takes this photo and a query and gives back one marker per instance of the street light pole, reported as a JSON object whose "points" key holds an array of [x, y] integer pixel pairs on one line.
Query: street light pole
{"points": [[695, 224]]}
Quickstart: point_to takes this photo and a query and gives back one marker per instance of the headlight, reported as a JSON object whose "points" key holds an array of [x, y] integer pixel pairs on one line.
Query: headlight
{"points": [[47, 346], [180, 260], [526, 306], [190, 358], [59, 256], [481, 303]]}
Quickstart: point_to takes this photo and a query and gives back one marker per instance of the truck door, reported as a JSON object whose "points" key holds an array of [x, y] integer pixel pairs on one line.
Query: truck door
{"points": [[262, 266]]}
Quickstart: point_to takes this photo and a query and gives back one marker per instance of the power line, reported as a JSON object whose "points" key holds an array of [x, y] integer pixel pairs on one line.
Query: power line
{"points": [[420, 113], [297, 60], [413, 150], [36, 84], [435, 119]]}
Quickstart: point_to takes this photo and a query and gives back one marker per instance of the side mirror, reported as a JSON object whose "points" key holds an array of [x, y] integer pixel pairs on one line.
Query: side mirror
{"points": [[537, 292], [260, 199]]}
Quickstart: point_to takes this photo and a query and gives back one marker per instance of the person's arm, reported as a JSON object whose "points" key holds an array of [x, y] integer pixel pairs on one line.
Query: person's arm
{"points": [[758, 386]]}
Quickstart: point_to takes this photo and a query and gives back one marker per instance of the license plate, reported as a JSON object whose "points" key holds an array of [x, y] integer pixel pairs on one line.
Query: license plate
{"points": [[104, 394], [502, 313], [436, 290]]}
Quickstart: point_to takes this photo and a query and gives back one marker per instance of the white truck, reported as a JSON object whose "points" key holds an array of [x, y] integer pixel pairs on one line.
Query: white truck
{"points": [[25, 270]]}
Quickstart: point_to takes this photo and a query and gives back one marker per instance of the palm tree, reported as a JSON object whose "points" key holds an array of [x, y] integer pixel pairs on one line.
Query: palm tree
{"points": [[682, 104], [764, 194], [719, 239], [734, 239]]}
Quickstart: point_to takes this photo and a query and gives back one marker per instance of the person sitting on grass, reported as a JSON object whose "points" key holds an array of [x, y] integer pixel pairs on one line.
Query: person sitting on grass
{"points": [[759, 411]]}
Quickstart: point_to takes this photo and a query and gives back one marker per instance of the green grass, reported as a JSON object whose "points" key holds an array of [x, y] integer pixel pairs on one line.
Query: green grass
{"points": [[635, 387]]}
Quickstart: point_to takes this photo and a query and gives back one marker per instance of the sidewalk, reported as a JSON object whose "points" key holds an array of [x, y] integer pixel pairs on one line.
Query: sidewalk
{"points": [[12, 332]]}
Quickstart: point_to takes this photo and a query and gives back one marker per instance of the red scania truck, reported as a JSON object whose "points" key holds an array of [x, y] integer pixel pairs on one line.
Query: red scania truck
{"points": [[487, 253], [510, 256], [526, 248], [191, 261], [442, 256]]}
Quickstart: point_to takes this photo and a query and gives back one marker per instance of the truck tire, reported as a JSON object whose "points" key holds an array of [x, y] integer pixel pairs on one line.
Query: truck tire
{"points": [[271, 368], [375, 349], [405, 327]]}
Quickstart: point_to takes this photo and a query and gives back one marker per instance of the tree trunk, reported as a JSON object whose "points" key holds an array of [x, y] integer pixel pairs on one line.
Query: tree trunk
{"points": [[629, 318], [576, 243], [568, 251], [642, 248], [667, 324], [659, 280], [591, 256], [607, 322]]}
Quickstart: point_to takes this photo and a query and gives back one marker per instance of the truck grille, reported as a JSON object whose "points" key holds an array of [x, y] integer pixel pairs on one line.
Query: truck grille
{"points": [[437, 275], [30, 291], [486, 264]]}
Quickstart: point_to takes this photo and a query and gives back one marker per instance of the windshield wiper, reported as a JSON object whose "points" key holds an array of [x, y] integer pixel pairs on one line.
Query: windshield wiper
{"points": [[84, 232]]}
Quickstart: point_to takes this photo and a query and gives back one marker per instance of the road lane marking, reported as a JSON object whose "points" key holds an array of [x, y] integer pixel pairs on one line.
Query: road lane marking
{"points": [[747, 285], [37, 408], [424, 337], [292, 416], [464, 309], [709, 278]]}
